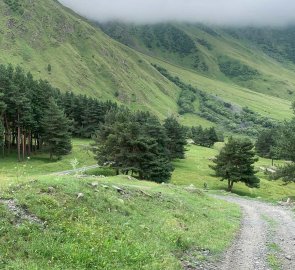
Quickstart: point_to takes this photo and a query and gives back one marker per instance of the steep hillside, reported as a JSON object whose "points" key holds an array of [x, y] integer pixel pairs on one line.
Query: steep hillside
{"points": [[276, 42], [222, 54], [38, 33]]}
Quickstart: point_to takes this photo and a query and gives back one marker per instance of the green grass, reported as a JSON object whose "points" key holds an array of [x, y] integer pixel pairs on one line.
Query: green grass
{"points": [[105, 229], [40, 164], [149, 226], [190, 120], [100, 172], [195, 170]]}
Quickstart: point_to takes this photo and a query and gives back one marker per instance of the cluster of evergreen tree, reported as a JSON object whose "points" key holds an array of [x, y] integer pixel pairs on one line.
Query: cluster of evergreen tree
{"points": [[86, 113], [34, 115], [204, 137], [235, 69], [137, 143], [15, 6]]}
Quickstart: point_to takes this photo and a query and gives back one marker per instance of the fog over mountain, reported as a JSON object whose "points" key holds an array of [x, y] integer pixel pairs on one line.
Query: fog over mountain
{"points": [[226, 12]]}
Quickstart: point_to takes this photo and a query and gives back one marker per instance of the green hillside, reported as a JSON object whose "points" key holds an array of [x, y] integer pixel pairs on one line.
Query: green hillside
{"points": [[82, 58]]}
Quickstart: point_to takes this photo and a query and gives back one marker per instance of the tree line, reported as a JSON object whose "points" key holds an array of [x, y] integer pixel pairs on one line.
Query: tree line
{"points": [[34, 115], [231, 117]]}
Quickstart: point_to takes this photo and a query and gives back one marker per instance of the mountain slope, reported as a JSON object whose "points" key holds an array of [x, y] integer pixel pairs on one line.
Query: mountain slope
{"points": [[213, 52], [82, 58]]}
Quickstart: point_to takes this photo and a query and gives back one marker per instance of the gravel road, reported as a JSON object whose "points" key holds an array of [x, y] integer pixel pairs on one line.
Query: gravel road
{"points": [[267, 231]]}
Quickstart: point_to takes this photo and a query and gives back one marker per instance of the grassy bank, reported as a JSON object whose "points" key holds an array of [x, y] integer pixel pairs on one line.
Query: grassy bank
{"points": [[144, 226]]}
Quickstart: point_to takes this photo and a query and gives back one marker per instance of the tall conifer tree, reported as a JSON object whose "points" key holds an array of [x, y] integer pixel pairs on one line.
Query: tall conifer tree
{"points": [[56, 130]]}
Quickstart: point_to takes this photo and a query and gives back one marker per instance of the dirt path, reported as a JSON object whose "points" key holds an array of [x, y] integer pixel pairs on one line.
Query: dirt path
{"points": [[267, 234], [78, 170]]}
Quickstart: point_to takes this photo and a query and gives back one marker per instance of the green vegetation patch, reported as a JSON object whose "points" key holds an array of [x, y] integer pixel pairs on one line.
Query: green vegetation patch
{"points": [[114, 224], [15, 6], [234, 69], [229, 116], [101, 171]]}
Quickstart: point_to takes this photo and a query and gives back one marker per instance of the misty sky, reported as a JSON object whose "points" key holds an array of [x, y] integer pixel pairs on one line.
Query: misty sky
{"points": [[242, 12]]}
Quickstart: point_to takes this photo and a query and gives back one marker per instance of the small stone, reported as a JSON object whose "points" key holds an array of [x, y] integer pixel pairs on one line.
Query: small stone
{"points": [[288, 257], [80, 195], [118, 189], [94, 184], [51, 189]]}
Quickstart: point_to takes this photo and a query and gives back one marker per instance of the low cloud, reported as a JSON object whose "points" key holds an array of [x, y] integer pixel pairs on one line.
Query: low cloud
{"points": [[225, 12]]}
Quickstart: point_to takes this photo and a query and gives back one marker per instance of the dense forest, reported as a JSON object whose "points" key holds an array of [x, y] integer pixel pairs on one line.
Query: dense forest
{"points": [[35, 115]]}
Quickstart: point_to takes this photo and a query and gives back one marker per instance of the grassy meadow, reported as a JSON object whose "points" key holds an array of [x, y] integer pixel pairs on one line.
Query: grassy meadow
{"points": [[195, 170], [49, 221]]}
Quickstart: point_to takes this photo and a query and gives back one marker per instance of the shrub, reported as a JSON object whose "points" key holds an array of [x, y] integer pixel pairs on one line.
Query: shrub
{"points": [[105, 171]]}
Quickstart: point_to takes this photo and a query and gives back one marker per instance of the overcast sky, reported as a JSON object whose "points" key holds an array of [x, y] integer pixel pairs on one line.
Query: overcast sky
{"points": [[249, 12]]}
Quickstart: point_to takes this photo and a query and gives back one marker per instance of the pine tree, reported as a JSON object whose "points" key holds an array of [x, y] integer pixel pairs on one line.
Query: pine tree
{"points": [[212, 136], [235, 163], [56, 128], [286, 173], [197, 134], [157, 165], [177, 138], [285, 147], [49, 68]]}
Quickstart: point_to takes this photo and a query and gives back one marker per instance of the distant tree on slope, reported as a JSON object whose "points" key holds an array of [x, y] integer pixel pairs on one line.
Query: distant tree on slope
{"points": [[204, 137], [266, 143]]}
